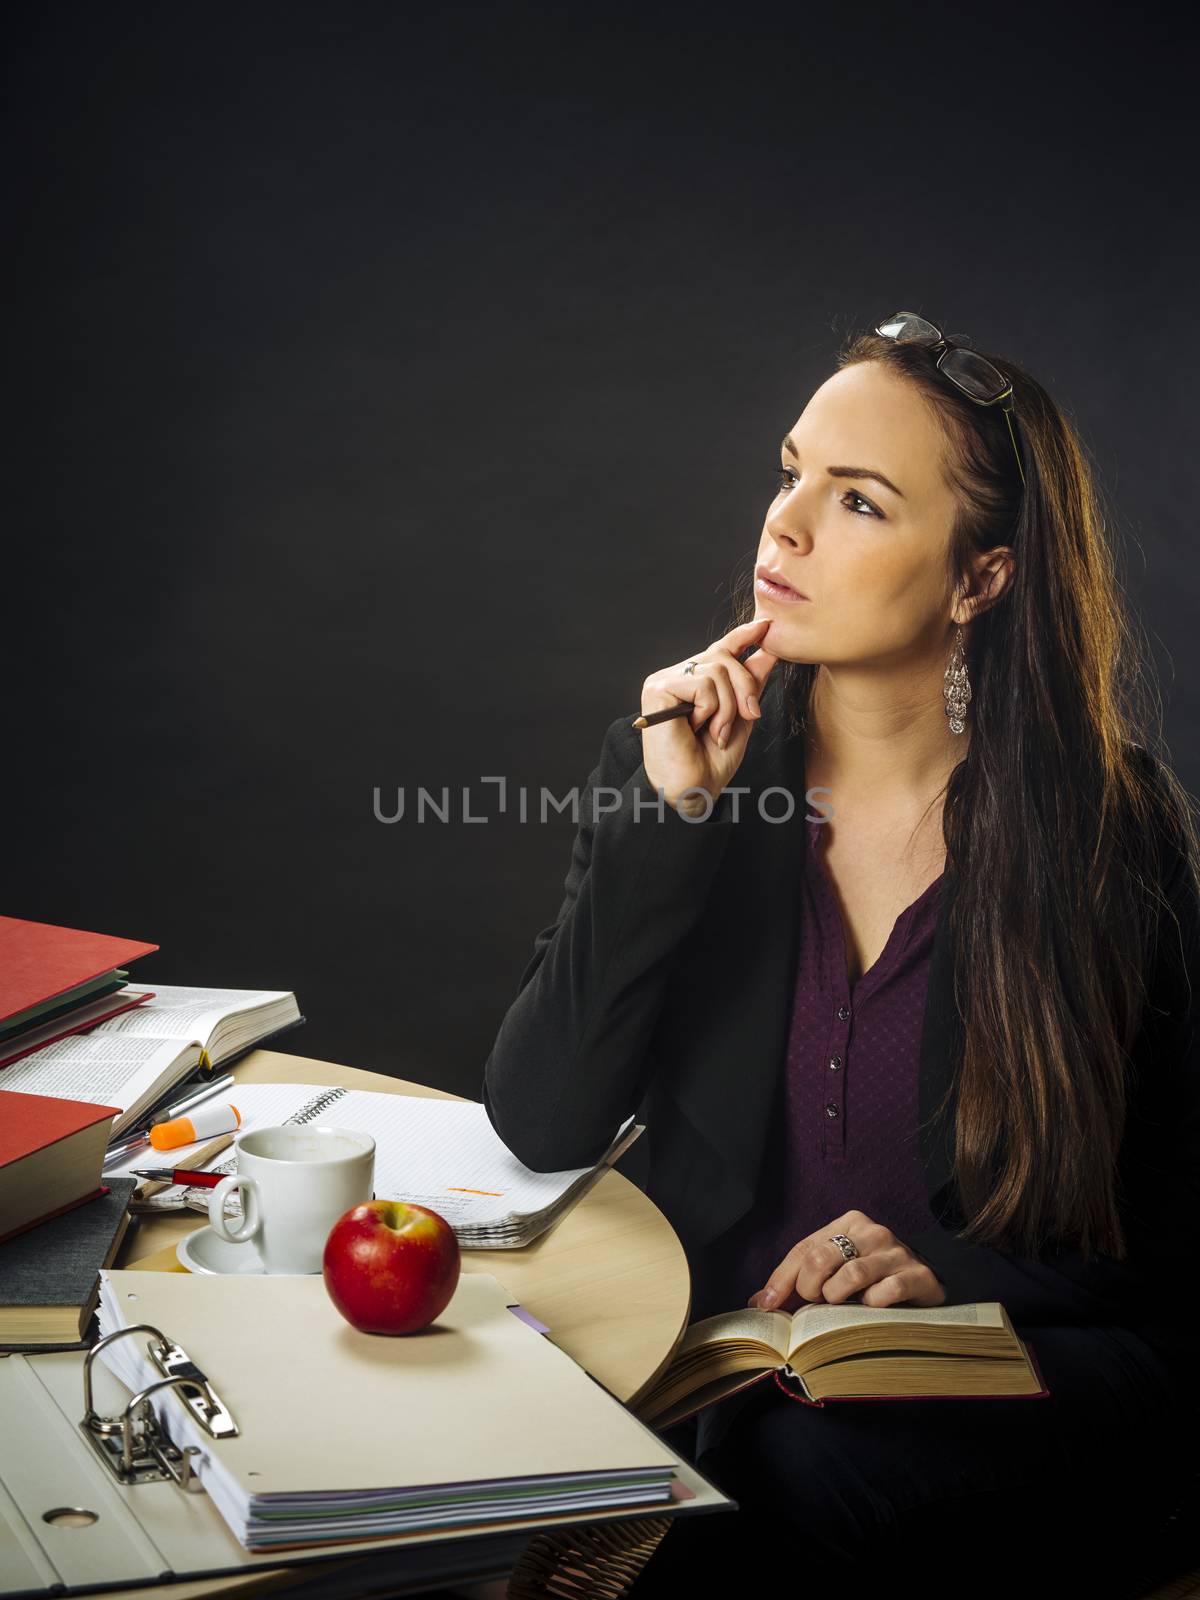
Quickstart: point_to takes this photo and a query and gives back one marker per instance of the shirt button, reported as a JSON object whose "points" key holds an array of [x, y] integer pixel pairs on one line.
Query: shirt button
{"points": [[843, 1013], [831, 1107], [834, 1063]]}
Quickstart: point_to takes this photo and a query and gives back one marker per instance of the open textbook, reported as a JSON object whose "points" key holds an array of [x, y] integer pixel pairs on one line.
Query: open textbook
{"points": [[847, 1352], [443, 1154], [133, 1059]]}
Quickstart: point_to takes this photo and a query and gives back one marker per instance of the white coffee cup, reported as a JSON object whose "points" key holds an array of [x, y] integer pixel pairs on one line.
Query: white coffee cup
{"points": [[295, 1182]]}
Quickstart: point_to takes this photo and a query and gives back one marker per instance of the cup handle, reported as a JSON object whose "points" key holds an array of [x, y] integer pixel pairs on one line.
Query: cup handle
{"points": [[216, 1208]]}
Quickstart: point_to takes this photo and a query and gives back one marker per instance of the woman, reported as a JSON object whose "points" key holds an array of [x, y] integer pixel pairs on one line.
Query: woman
{"points": [[925, 1037]]}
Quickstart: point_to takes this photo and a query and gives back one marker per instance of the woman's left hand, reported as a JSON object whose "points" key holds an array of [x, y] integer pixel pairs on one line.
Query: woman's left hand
{"points": [[884, 1273]]}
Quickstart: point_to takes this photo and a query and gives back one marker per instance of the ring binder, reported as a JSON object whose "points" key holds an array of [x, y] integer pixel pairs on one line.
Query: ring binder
{"points": [[135, 1446], [71, 1526]]}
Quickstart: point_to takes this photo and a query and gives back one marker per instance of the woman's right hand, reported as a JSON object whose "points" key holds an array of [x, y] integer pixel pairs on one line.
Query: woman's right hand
{"points": [[704, 749]]}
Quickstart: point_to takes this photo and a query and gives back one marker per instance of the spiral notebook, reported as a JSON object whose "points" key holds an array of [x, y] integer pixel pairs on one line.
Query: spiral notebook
{"points": [[443, 1154]]}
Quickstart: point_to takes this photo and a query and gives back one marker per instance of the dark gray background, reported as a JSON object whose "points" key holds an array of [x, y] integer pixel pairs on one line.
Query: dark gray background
{"points": [[391, 391]]}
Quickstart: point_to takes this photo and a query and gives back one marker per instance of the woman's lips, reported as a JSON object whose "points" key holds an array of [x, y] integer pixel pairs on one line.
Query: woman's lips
{"points": [[774, 590]]}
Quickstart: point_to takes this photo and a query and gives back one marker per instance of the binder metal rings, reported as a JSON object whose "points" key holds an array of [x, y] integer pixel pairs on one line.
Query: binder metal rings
{"points": [[134, 1445]]}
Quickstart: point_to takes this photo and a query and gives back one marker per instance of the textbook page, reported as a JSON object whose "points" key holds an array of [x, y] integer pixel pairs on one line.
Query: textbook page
{"points": [[818, 1317], [771, 1328], [102, 1068], [180, 1012]]}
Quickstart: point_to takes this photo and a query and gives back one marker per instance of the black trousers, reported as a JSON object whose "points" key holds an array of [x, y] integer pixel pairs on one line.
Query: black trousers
{"points": [[948, 1498]]}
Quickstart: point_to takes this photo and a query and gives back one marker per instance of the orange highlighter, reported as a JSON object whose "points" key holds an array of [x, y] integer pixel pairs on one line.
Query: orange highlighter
{"points": [[203, 1122]]}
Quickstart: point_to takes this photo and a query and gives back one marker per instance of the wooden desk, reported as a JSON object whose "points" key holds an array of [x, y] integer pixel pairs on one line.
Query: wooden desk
{"points": [[610, 1281]]}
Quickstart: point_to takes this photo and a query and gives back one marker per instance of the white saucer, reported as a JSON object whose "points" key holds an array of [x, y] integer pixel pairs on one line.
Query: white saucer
{"points": [[206, 1251]]}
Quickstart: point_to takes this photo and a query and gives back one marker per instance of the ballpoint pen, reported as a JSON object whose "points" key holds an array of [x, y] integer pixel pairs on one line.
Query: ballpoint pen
{"points": [[187, 1175], [188, 1167]]}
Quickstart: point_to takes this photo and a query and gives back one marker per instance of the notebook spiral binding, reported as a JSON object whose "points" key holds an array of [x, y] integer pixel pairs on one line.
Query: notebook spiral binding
{"points": [[318, 1104], [134, 1446], [198, 1199]]}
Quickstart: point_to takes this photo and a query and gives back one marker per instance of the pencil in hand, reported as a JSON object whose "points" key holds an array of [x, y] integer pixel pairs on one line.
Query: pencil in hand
{"points": [[648, 719]]}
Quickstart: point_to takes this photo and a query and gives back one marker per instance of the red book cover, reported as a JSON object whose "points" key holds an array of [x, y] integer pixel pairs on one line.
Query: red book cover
{"points": [[793, 1392], [30, 1122], [79, 1021], [39, 961]]}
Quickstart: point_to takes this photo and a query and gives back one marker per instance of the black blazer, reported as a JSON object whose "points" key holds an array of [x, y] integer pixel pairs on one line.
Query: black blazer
{"points": [[663, 987]]}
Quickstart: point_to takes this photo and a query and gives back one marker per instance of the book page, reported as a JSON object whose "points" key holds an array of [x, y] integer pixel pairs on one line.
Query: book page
{"points": [[762, 1327], [94, 1067], [180, 1012], [818, 1317]]}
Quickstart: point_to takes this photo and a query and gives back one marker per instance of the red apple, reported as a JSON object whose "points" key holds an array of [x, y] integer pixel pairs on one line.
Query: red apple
{"points": [[391, 1266]]}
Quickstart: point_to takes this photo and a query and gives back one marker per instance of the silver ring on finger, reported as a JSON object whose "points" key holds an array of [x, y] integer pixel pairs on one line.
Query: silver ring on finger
{"points": [[690, 670], [847, 1246]]}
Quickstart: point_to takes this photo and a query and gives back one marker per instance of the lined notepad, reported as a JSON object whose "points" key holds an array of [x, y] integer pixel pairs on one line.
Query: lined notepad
{"points": [[443, 1154]]}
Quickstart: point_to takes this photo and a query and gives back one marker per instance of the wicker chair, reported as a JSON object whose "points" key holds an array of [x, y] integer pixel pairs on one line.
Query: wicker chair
{"points": [[601, 1562]]}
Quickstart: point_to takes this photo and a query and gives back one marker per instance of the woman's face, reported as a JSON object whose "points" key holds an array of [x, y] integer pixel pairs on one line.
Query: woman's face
{"points": [[869, 556]]}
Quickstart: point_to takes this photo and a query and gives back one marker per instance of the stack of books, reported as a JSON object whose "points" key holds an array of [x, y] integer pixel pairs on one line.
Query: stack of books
{"points": [[59, 981], [86, 1066]]}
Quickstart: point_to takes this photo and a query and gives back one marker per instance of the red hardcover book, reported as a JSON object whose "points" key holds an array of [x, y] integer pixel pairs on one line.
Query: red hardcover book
{"points": [[51, 1157], [795, 1389], [78, 1021], [39, 961]]}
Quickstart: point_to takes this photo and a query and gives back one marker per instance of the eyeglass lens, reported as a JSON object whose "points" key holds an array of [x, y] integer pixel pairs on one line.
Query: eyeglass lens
{"points": [[973, 373], [908, 328]]}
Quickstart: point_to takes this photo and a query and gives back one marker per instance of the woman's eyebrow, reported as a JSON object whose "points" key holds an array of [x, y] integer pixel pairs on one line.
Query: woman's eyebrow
{"points": [[846, 472]]}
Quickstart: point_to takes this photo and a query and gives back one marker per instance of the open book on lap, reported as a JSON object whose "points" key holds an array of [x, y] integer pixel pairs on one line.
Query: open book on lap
{"points": [[847, 1352]]}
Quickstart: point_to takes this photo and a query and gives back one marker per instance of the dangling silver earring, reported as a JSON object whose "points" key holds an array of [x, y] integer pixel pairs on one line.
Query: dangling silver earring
{"points": [[956, 686]]}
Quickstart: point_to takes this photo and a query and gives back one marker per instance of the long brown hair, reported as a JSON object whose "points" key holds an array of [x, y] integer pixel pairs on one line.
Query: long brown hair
{"points": [[1052, 822]]}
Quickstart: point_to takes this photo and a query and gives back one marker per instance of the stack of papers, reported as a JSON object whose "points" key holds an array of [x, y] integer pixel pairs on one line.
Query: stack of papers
{"points": [[443, 1154], [344, 1436]]}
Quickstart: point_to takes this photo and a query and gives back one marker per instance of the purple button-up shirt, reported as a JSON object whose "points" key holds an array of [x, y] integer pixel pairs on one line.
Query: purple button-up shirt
{"points": [[847, 1134]]}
